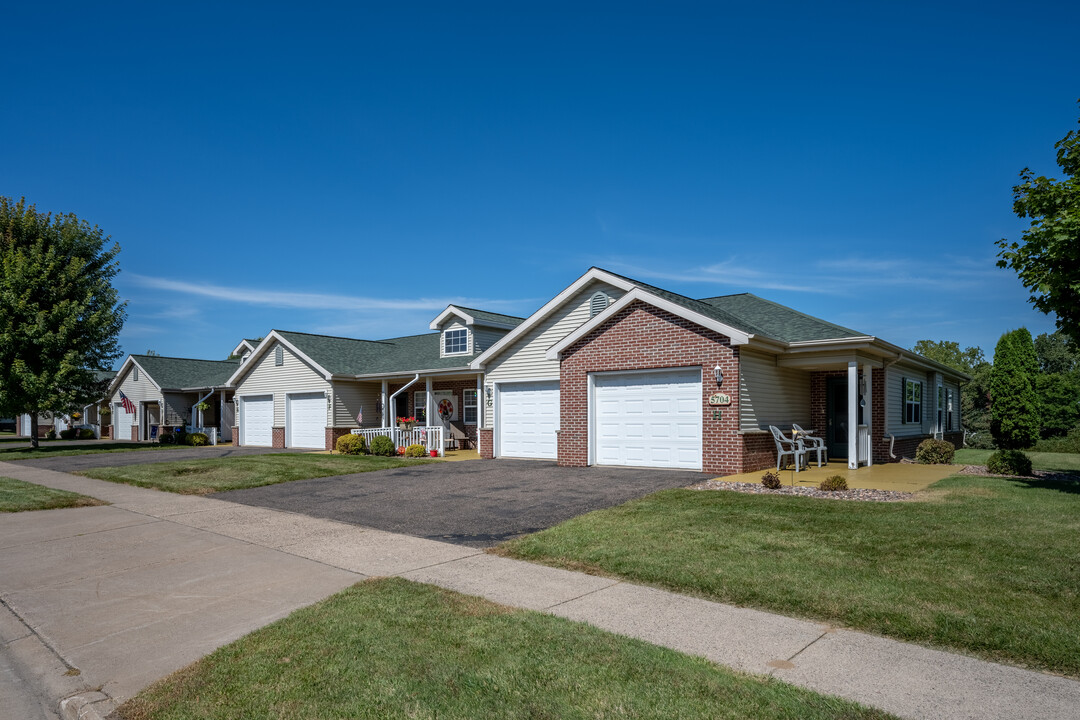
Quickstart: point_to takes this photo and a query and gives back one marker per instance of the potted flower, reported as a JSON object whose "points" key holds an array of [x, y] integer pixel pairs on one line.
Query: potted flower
{"points": [[406, 423], [203, 406]]}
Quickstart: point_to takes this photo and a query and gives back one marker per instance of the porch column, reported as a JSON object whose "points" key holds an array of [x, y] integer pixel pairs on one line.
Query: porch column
{"points": [[382, 403], [853, 415], [868, 411], [427, 402]]}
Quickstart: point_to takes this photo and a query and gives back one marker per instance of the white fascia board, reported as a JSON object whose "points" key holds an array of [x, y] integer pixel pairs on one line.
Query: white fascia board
{"points": [[547, 309], [240, 346], [451, 310], [738, 337], [263, 348], [923, 362], [126, 368], [463, 370]]}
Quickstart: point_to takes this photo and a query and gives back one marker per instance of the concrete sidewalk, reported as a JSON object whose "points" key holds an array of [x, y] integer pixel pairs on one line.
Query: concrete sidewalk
{"points": [[131, 592]]}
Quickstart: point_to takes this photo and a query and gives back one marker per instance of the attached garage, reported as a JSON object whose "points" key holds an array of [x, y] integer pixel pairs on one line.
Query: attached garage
{"points": [[528, 416], [122, 421], [647, 419], [305, 420], [257, 420]]}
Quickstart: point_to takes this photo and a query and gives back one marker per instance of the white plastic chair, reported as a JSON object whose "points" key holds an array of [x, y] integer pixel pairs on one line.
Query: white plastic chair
{"points": [[786, 446], [811, 443]]}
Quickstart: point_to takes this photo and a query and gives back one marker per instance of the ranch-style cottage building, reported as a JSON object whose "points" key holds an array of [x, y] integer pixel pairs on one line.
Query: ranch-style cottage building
{"points": [[610, 371]]}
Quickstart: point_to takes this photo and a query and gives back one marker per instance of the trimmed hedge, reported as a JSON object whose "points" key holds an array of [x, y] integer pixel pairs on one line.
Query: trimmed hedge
{"points": [[351, 445], [197, 439], [416, 451], [383, 446], [1009, 462], [935, 452], [834, 483]]}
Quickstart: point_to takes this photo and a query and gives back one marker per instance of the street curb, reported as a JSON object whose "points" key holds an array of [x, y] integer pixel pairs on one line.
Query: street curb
{"points": [[93, 705]]}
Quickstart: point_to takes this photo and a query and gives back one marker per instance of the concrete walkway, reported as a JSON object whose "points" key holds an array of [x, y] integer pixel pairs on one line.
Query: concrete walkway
{"points": [[125, 594]]}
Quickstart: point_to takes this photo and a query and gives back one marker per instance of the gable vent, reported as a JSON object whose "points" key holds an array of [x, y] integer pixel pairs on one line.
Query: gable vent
{"points": [[598, 303], [279, 355]]}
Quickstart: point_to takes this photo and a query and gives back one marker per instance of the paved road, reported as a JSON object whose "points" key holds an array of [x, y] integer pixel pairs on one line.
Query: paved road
{"points": [[475, 503], [75, 463]]}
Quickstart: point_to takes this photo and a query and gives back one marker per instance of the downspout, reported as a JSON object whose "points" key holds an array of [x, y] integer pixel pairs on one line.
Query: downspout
{"points": [[403, 388], [197, 403], [884, 366]]}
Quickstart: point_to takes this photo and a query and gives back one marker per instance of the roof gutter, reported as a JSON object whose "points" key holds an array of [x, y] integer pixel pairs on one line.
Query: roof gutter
{"points": [[403, 388]]}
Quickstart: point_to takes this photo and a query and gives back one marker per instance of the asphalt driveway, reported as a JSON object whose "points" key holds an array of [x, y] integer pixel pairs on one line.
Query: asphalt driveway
{"points": [[75, 463], [477, 503]]}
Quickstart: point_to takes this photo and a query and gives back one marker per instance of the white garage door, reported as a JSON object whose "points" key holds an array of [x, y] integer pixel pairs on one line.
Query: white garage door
{"points": [[122, 422], [25, 419], [528, 418], [305, 421], [650, 419], [256, 420]]}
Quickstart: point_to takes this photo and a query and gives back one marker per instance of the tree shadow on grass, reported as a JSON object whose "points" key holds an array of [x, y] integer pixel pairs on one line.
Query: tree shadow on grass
{"points": [[51, 446], [1066, 482]]}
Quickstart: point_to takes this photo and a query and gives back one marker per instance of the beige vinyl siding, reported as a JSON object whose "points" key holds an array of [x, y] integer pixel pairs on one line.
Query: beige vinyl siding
{"points": [[292, 376], [178, 408], [771, 395], [525, 360], [894, 409], [137, 391], [348, 399], [484, 338]]}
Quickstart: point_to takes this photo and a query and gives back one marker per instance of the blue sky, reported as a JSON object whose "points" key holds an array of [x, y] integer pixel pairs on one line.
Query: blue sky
{"points": [[351, 169]]}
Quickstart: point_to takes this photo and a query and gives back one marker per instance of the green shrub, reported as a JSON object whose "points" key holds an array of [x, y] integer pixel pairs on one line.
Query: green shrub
{"points": [[416, 451], [197, 439], [1069, 443], [384, 446], [833, 483], [351, 445], [770, 480], [935, 452], [1009, 462], [50, 434], [166, 438], [86, 434], [1014, 408], [69, 434]]}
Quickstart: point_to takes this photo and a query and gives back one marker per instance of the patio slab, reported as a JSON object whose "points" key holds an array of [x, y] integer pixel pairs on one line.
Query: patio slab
{"points": [[900, 477]]}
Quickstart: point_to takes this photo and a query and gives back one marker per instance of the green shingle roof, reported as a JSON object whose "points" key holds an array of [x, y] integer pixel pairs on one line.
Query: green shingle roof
{"points": [[754, 315], [482, 316], [175, 373], [348, 356]]}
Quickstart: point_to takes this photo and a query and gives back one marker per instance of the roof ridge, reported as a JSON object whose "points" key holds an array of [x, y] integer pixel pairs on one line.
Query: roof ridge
{"points": [[797, 312], [331, 337], [489, 312], [173, 357]]}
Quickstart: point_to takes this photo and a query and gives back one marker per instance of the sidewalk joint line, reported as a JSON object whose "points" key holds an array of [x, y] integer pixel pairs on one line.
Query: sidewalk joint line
{"points": [[805, 647], [591, 592], [41, 638]]}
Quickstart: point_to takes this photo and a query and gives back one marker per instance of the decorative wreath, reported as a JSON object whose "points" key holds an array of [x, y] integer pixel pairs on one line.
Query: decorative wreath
{"points": [[446, 408]]}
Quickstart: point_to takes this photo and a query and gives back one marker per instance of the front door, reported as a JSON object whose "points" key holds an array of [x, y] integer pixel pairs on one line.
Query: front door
{"points": [[836, 414]]}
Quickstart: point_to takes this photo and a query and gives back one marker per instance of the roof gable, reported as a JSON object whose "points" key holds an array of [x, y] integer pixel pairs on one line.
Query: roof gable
{"points": [[472, 316], [778, 321]]}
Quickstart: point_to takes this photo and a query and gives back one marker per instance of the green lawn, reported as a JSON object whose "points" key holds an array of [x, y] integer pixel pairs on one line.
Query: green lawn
{"points": [[1058, 462], [17, 496], [394, 649], [60, 448], [201, 477], [984, 565]]}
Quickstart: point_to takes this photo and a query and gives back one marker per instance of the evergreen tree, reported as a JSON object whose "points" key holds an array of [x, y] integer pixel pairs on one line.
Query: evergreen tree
{"points": [[1014, 401], [59, 316]]}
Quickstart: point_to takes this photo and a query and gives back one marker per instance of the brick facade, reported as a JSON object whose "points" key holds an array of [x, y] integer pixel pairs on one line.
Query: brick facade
{"points": [[235, 434], [277, 436], [759, 451], [643, 337], [487, 443], [332, 435]]}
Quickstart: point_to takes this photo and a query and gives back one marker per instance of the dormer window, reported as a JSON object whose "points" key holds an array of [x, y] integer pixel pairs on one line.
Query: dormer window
{"points": [[456, 342]]}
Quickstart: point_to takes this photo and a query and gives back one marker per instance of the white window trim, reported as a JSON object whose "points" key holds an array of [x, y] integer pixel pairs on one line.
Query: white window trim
{"points": [[465, 406], [420, 405], [914, 403], [445, 335]]}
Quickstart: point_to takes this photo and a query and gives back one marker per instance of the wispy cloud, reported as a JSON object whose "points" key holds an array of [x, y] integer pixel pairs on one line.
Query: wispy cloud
{"points": [[310, 301]]}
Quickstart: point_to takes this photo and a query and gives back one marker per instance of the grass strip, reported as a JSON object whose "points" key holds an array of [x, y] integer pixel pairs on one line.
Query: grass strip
{"points": [[19, 496], [201, 477], [61, 448], [990, 566], [1054, 462], [394, 649]]}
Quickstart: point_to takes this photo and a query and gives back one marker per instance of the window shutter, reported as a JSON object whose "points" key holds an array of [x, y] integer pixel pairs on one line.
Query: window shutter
{"points": [[903, 401]]}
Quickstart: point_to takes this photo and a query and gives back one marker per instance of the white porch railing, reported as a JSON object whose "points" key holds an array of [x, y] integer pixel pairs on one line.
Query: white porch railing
{"points": [[210, 432], [862, 442], [430, 437]]}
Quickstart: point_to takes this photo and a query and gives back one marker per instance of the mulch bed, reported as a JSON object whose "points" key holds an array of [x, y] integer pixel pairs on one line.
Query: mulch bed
{"points": [[759, 489]]}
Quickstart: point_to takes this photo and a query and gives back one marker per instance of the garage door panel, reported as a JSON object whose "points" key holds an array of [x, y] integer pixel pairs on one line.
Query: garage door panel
{"points": [[649, 419], [305, 421], [257, 420], [528, 418]]}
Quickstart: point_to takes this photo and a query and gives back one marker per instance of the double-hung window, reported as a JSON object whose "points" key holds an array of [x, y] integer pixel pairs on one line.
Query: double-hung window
{"points": [[456, 342], [912, 401], [468, 405], [420, 407], [950, 399]]}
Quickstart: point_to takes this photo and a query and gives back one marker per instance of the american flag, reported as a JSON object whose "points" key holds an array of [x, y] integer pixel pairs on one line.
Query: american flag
{"points": [[129, 407], [360, 416]]}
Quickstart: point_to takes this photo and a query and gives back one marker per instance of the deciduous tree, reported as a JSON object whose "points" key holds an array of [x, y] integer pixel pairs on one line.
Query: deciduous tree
{"points": [[59, 315], [1047, 259]]}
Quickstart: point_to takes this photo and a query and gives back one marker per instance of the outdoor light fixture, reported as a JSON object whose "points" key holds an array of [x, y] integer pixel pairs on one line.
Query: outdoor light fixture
{"points": [[719, 375]]}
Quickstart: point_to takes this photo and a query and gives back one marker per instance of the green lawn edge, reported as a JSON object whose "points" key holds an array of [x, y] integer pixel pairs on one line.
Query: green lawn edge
{"points": [[395, 648], [61, 448], [21, 496], [211, 475], [983, 566]]}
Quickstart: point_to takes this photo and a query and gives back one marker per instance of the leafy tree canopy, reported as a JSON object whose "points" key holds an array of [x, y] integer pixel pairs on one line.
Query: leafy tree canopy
{"points": [[949, 353], [59, 315], [1047, 259], [1057, 353]]}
